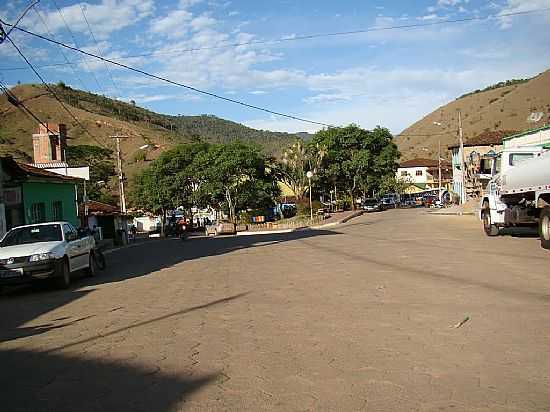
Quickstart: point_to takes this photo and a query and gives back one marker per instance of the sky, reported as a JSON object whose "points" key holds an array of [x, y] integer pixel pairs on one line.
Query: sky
{"points": [[390, 78]]}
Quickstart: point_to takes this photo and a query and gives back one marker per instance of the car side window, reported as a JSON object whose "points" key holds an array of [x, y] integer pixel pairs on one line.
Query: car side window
{"points": [[68, 232]]}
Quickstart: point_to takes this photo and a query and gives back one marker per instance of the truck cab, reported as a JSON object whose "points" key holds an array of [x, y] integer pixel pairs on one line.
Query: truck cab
{"points": [[518, 191]]}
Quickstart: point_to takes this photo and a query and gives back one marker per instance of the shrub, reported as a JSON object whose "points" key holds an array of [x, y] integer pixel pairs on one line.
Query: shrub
{"points": [[140, 156]]}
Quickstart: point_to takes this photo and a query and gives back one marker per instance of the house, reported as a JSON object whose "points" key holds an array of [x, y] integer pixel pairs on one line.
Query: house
{"points": [[478, 152], [106, 219], [534, 137], [423, 174], [31, 195], [49, 146]]}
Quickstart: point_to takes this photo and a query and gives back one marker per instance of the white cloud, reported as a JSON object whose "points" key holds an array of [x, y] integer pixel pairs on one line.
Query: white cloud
{"points": [[518, 6], [105, 18], [258, 92], [144, 98], [173, 25]]}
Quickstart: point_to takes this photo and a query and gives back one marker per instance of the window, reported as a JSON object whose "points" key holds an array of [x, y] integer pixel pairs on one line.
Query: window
{"points": [[517, 158], [57, 207], [419, 172], [38, 213], [32, 234], [404, 173], [69, 230]]}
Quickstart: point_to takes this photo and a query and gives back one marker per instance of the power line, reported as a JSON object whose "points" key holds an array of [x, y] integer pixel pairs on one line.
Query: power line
{"points": [[53, 93], [60, 49], [154, 76], [314, 36], [99, 49], [19, 104], [76, 44]]}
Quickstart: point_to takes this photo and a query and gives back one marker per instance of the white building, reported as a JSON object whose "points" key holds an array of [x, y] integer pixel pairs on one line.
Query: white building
{"points": [[424, 173], [535, 137]]}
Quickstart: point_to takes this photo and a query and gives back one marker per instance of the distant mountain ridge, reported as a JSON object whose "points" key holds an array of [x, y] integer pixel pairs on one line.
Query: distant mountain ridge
{"points": [[518, 104], [104, 117]]}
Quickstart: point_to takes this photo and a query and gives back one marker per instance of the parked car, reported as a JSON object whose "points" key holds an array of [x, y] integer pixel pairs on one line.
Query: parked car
{"points": [[221, 228], [372, 205], [42, 251], [388, 203]]}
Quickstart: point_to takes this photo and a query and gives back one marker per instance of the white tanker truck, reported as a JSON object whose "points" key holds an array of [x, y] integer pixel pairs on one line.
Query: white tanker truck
{"points": [[519, 192]]}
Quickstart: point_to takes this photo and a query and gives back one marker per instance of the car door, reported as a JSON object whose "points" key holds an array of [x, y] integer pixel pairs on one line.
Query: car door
{"points": [[74, 244]]}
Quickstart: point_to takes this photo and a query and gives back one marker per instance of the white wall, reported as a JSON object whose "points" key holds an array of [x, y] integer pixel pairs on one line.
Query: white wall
{"points": [[537, 138], [411, 175]]}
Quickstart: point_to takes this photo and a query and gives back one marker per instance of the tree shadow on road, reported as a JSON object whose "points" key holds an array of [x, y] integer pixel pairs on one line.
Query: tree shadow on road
{"points": [[37, 381], [152, 256]]}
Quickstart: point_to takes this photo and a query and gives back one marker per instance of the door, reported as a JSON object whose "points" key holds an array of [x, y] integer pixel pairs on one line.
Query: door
{"points": [[78, 256]]}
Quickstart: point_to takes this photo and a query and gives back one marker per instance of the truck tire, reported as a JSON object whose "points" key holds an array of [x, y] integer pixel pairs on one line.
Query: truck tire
{"points": [[544, 227], [488, 227], [63, 278]]}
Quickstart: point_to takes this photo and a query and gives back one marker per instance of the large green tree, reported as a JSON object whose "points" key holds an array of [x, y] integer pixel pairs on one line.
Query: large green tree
{"points": [[233, 176], [356, 159], [237, 176]]}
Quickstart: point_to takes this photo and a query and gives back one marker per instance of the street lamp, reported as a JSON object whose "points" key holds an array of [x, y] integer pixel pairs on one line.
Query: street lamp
{"points": [[309, 175]]}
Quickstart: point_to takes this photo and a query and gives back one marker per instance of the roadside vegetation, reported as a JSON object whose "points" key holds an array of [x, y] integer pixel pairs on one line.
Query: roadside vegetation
{"points": [[237, 177]]}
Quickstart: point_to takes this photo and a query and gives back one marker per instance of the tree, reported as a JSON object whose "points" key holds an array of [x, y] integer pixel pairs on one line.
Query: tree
{"points": [[237, 176], [356, 159], [169, 181], [392, 184], [101, 165], [297, 160]]}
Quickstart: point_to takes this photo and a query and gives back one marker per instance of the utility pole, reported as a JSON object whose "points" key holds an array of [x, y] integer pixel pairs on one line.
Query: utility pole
{"points": [[120, 174], [462, 160], [439, 166]]}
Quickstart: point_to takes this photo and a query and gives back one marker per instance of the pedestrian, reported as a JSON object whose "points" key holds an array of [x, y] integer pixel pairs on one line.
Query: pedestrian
{"points": [[133, 230]]}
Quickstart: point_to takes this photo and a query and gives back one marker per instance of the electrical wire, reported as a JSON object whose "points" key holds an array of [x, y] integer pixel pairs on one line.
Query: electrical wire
{"points": [[99, 49], [56, 97], [101, 89], [175, 83], [60, 49], [313, 36], [19, 104]]}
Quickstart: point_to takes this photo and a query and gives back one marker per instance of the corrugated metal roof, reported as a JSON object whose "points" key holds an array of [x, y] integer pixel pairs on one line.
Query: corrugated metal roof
{"points": [[422, 162], [527, 132], [489, 138]]}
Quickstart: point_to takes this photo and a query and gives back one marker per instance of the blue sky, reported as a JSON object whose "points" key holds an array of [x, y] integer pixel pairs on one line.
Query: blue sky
{"points": [[389, 78]]}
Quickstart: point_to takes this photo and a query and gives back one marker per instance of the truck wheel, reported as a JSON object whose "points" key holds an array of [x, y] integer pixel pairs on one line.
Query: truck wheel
{"points": [[544, 227], [63, 278], [488, 227]]}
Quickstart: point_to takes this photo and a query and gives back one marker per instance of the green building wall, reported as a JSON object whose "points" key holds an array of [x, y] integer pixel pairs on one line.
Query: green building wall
{"points": [[48, 193]]}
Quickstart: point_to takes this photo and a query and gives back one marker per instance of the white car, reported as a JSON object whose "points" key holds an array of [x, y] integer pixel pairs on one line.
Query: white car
{"points": [[43, 251]]}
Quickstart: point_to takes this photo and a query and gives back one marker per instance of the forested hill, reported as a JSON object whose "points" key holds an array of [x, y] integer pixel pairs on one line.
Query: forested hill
{"points": [[104, 116]]}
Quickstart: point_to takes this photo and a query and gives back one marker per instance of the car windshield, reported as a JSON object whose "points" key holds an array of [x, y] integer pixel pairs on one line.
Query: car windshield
{"points": [[32, 234], [370, 202]]}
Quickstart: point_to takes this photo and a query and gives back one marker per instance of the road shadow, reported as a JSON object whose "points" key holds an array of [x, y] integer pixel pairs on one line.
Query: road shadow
{"points": [[37, 381], [153, 256], [523, 231]]}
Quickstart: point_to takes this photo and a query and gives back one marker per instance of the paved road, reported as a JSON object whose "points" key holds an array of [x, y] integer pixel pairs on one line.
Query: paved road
{"points": [[353, 318]]}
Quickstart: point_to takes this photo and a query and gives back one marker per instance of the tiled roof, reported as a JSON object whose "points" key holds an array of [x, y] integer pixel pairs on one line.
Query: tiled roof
{"points": [[489, 138], [421, 162], [22, 170], [101, 208], [36, 172]]}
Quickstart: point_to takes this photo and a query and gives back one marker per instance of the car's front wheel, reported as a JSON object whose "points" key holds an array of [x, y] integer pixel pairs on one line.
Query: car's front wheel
{"points": [[63, 278]]}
